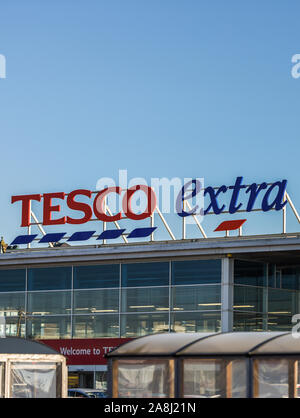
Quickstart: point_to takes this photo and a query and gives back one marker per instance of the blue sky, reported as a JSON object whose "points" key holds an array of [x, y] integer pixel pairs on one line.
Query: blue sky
{"points": [[173, 88]]}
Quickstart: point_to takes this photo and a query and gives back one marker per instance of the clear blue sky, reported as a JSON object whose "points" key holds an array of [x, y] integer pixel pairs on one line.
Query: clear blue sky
{"points": [[173, 88]]}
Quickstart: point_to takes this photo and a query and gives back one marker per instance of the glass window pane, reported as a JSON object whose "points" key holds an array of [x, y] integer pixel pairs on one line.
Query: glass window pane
{"points": [[143, 378], [133, 325], [12, 280], [48, 327], [101, 380], [282, 301], [56, 278], [248, 298], [101, 276], [279, 323], [272, 378], [145, 299], [96, 301], [196, 272], [203, 379], [192, 298], [96, 326], [49, 303], [15, 326], [12, 304], [145, 274], [250, 273], [249, 322], [290, 278], [196, 322]]}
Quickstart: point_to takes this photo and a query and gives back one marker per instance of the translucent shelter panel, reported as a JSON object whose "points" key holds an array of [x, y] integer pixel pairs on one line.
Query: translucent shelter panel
{"points": [[271, 378], [214, 378], [144, 378], [239, 379], [34, 380], [203, 379]]}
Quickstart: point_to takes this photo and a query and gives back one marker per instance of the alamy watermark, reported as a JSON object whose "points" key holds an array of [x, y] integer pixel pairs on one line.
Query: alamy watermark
{"points": [[173, 196], [296, 68], [2, 66]]}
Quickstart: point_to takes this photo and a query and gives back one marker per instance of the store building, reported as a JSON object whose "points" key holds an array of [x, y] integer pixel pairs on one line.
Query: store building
{"points": [[85, 300]]}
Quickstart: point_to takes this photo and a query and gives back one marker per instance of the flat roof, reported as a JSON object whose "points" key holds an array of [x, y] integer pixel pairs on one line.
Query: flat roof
{"points": [[282, 248]]}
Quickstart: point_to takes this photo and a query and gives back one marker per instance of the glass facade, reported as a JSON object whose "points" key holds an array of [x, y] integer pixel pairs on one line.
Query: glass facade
{"points": [[266, 296], [112, 300], [135, 299]]}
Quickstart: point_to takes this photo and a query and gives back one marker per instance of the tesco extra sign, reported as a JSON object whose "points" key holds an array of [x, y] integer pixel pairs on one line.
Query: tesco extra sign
{"points": [[272, 197]]}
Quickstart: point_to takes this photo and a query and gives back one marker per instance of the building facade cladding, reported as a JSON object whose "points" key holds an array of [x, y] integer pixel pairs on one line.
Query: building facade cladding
{"points": [[198, 288]]}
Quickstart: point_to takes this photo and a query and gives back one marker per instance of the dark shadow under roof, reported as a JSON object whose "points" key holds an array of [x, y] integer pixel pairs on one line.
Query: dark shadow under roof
{"points": [[15, 345], [210, 344]]}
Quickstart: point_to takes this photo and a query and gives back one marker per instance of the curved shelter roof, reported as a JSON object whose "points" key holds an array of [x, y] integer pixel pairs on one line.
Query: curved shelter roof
{"points": [[211, 344], [15, 345]]}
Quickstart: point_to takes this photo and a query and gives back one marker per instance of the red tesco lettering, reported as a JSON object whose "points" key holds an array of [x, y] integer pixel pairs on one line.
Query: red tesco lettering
{"points": [[87, 210]]}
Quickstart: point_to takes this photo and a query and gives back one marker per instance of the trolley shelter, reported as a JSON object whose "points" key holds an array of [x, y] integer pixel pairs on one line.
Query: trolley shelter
{"points": [[206, 365], [29, 369]]}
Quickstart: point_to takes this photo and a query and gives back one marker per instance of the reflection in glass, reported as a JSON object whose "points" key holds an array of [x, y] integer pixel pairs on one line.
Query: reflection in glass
{"points": [[49, 303], [250, 273], [248, 298], [192, 298], [145, 274], [96, 326], [101, 276], [12, 303], [249, 321], [96, 301], [133, 325], [52, 327], [15, 326], [145, 299], [54, 278], [196, 322], [196, 272], [12, 280], [282, 301]]}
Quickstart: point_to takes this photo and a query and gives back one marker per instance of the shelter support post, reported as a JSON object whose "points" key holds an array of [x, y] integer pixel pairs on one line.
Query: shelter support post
{"points": [[115, 390], [293, 378]]}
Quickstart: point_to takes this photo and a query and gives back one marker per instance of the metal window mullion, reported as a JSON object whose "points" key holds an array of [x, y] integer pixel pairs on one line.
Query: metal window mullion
{"points": [[120, 297], [72, 301], [26, 301], [170, 293]]}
